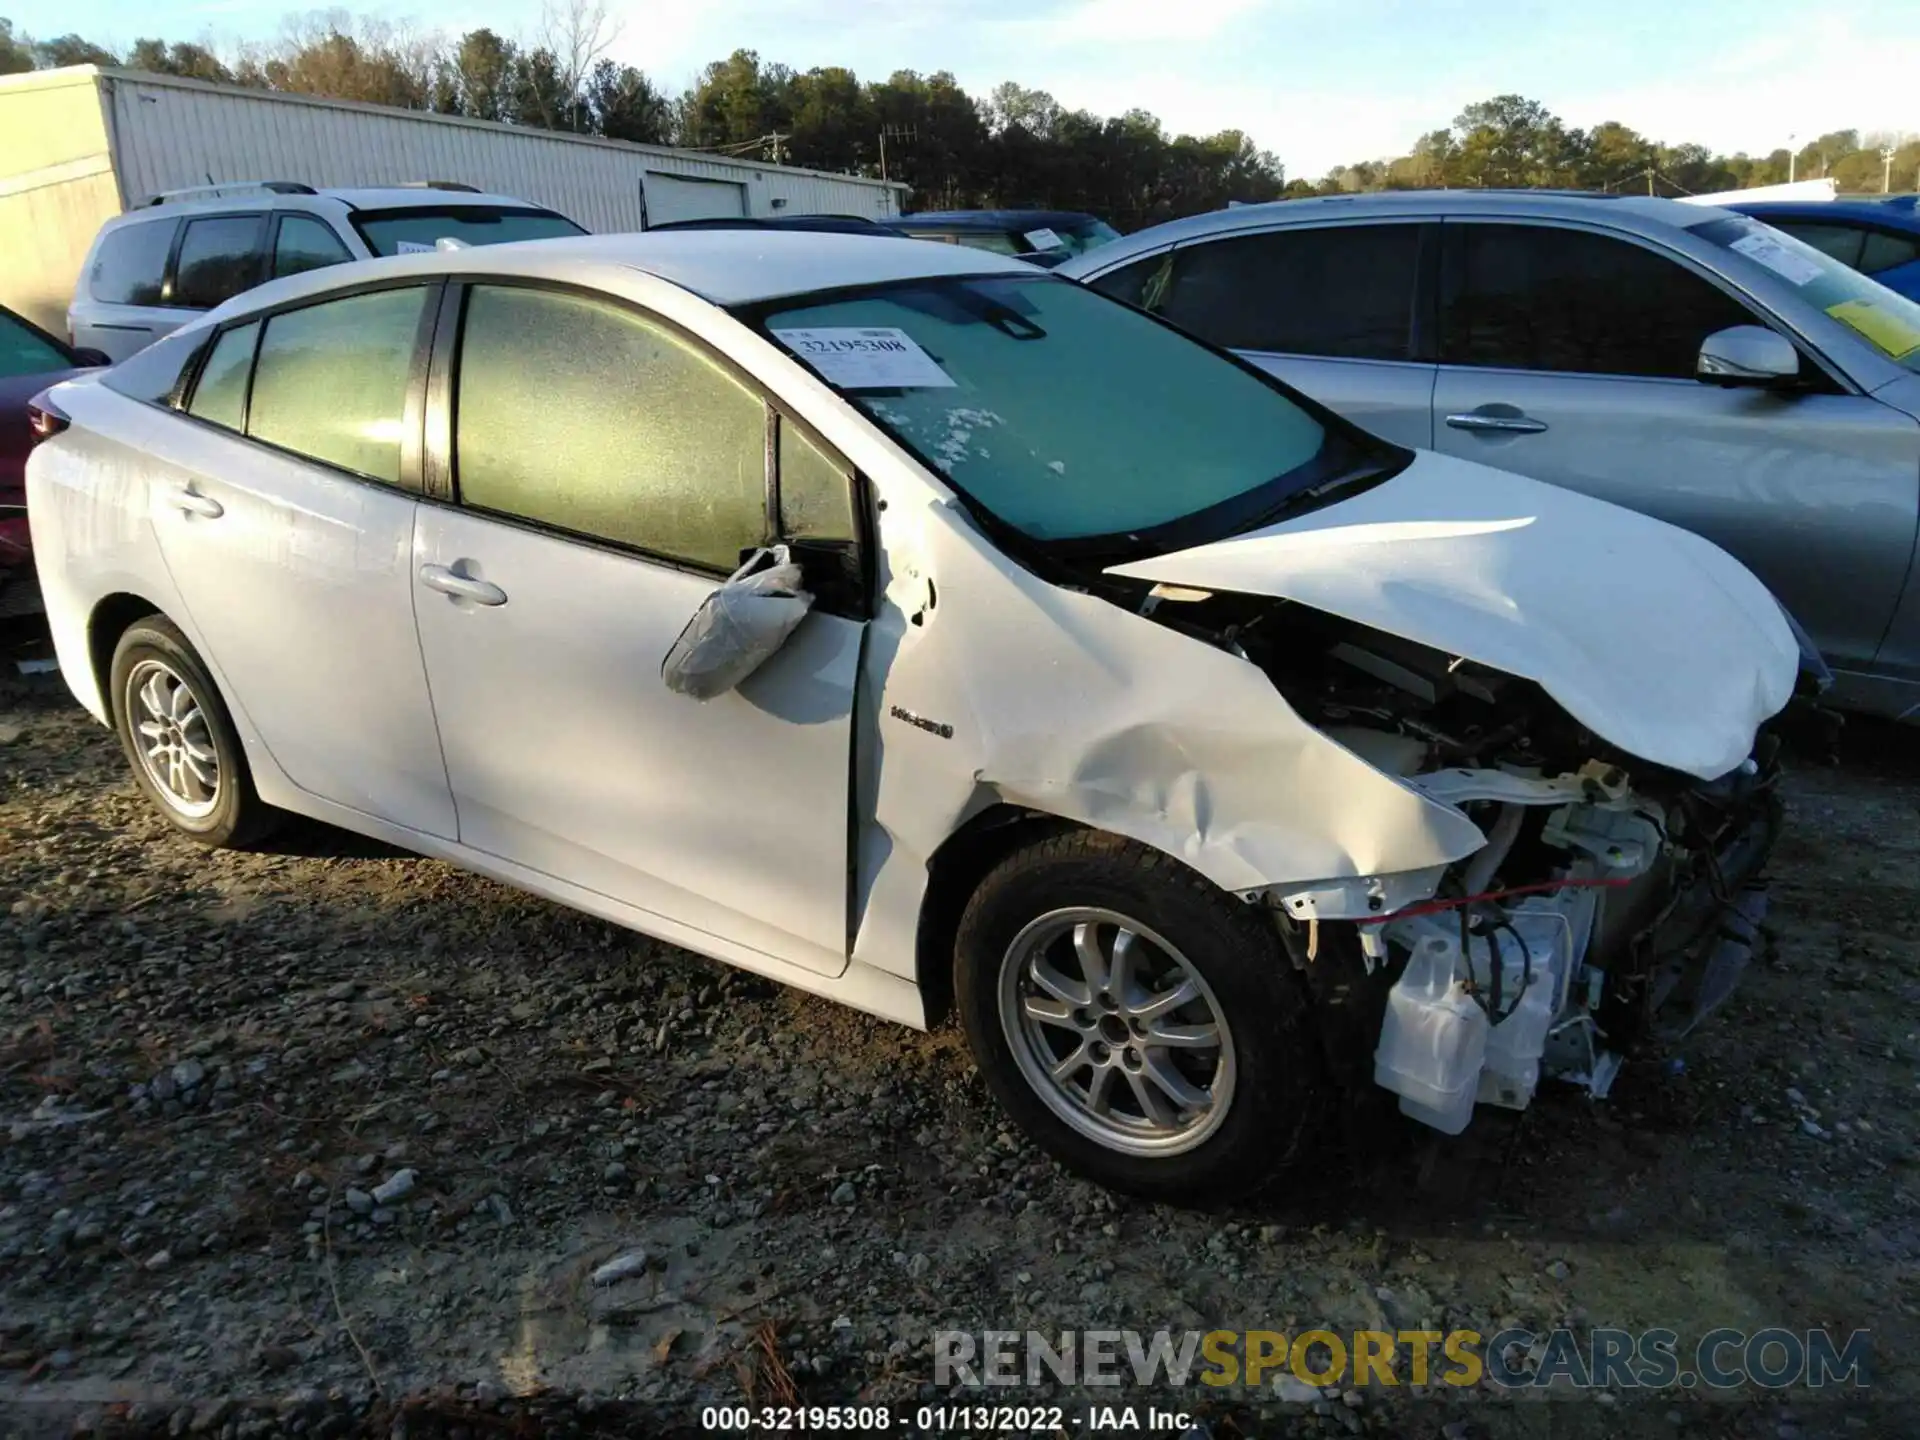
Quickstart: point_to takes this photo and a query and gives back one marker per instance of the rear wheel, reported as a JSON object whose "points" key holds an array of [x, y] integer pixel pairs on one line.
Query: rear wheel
{"points": [[1143, 1026], [179, 739]]}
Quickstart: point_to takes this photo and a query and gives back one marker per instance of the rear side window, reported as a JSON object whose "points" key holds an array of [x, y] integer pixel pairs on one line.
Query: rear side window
{"points": [[131, 265], [220, 394], [1345, 291], [331, 380], [1537, 297], [1884, 251], [219, 257], [581, 415], [305, 244]]}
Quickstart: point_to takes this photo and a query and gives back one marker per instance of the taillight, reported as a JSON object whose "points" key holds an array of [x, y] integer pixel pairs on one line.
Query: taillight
{"points": [[45, 419]]}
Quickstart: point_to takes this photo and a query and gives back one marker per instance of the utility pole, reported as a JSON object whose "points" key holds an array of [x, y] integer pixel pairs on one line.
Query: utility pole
{"points": [[1792, 156], [1886, 171], [776, 138], [892, 132]]}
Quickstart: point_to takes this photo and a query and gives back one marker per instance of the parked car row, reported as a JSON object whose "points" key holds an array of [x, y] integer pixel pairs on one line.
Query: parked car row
{"points": [[1210, 751]]}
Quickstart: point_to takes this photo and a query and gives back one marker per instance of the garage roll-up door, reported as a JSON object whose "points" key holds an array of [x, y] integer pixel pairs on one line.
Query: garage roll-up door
{"points": [[676, 197]]}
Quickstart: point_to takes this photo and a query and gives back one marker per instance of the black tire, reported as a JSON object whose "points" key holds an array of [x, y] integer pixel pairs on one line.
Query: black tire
{"points": [[1279, 1091], [235, 816]]}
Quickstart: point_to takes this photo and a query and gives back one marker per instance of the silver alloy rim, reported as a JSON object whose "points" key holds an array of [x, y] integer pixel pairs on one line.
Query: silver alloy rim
{"points": [[1116, 1032], [172, 739]]}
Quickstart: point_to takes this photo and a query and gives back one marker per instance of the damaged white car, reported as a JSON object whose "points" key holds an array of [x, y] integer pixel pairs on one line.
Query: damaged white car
{"points": [[921, 630]]}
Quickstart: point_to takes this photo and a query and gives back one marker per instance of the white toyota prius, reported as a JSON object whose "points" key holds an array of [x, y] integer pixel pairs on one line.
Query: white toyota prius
{"points": [[924, 631]]}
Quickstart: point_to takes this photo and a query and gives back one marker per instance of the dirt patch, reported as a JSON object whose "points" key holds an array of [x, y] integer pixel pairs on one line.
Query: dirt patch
{"points": [[215, 1067]]}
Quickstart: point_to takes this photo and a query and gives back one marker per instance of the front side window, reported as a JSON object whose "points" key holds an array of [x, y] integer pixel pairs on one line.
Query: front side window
{"points": [[331, 380], [421, 227], [220, 394], [1884, 319], [1065, 416], [816, 494], [576, 413], [25, 351], [131, 267], [219, 257], [1540, 297], [1842, 242], [1344, 291], [1883, 250], [305, 244]]}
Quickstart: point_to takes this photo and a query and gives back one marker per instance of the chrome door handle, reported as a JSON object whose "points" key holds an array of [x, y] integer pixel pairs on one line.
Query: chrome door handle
{"points": [[189, 503], [1510, 424], [448, 582]]}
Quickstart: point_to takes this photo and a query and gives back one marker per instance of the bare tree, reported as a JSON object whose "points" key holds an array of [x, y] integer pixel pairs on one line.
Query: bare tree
{"points": [[576, 33]]}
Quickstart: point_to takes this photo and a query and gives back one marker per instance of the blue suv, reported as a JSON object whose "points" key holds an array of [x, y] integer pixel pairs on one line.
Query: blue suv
{"points": [[1880, 238]]}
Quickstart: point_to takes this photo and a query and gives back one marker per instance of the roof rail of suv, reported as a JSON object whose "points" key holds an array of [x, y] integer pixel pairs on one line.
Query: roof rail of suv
{"points": [[439, 185], [231, 187]]}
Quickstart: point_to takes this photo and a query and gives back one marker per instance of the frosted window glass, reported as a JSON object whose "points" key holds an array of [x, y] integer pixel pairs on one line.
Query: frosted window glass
{"points": [[578, 414], [332, 380], [220, 394]]}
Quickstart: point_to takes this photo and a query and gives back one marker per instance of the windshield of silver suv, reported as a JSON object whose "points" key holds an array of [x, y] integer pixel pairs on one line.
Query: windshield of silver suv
{"points": [[420, 227], [1886, 320], [1070, 418]]}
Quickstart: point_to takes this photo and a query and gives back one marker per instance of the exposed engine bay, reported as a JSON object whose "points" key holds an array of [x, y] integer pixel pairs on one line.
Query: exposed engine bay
{"points": [[1613, 895]]}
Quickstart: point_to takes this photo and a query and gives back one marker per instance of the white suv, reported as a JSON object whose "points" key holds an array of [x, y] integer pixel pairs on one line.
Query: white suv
{"points": [[155, 268]]}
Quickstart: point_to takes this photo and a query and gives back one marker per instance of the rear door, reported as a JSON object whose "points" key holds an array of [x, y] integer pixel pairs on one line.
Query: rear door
{"points": [[119, 306], [610, 473], [1334, 310], [284, 513], [1568, 354]]}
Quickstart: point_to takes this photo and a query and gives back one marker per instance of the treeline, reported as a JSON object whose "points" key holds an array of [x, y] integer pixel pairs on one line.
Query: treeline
{"points": [[1510, 140], [1012, 147]]}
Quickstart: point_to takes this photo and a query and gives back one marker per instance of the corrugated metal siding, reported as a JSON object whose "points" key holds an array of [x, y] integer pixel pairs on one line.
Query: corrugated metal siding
{"points": [[171, 135]]}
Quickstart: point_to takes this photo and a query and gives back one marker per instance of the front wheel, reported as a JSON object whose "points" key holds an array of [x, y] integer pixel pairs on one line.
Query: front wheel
{"points": [[1143, 1026]]}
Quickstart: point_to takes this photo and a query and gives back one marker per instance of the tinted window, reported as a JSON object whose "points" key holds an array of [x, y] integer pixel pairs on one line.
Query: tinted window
{"points": [[1883, 251], [132, 263], [1346, 291], [219, 257], [1141, 283], [578, 414], [394, 232], [25, 351], [1842, 242], [1528, 297], [306, 244], [816, 495], [220, 394], [331, 381]]}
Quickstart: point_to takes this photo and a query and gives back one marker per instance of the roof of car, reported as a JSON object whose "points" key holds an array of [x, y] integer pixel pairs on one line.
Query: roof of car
{"points": [[1898, 211], [407, 197], [356, 197], [991, 219], [727, 267], [1560, 204]]}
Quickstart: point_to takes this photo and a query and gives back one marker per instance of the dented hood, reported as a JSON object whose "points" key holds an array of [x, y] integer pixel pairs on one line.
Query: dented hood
{"points": [[1656, 640]]}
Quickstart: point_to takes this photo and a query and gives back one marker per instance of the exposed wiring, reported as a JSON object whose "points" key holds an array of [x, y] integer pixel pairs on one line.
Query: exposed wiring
{"points": [[1434, 907]]}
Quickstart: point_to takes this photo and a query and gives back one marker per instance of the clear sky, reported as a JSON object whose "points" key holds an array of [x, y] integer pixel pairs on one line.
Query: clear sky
{"points": [[1319, 82]]}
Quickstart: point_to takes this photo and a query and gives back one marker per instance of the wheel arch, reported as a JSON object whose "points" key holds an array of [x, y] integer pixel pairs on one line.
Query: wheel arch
{"points": [[112, 617]]}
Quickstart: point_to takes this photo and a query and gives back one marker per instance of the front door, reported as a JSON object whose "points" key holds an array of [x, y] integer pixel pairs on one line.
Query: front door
{"points": [[282, 522], [1568, 356], [609, 476]]}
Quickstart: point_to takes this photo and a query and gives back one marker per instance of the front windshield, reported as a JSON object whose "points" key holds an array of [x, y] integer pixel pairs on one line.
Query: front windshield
{"points": [[1884, 319], [398, 232], [1062, 413]]}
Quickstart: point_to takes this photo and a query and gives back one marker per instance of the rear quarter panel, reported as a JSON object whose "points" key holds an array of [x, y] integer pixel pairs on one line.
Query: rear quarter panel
{"points": [[88, 504]]}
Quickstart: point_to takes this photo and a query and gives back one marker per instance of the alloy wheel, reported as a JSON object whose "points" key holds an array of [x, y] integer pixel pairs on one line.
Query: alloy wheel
{"points": [[173, 740]]}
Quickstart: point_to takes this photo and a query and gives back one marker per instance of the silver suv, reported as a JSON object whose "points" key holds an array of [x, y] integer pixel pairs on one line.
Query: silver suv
{"points": [[1679, 359], [184, 252]]}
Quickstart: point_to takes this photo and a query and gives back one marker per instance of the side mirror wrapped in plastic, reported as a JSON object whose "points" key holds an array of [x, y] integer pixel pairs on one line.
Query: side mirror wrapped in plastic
{"points": [[738, 627]]}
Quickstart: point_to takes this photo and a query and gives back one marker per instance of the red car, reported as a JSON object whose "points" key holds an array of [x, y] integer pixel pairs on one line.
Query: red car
{"points": [[30, 361]]}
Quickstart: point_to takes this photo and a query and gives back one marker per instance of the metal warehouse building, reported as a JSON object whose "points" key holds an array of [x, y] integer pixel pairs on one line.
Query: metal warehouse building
{"points": [[82, 144]]}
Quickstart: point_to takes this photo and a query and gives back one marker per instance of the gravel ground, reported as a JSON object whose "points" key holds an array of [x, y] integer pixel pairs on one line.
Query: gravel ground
{"points": [[332, 1139]]}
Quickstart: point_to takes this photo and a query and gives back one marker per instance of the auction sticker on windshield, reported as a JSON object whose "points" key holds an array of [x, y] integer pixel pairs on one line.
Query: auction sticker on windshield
{"points": [[1767, 251], [876, 358]]}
